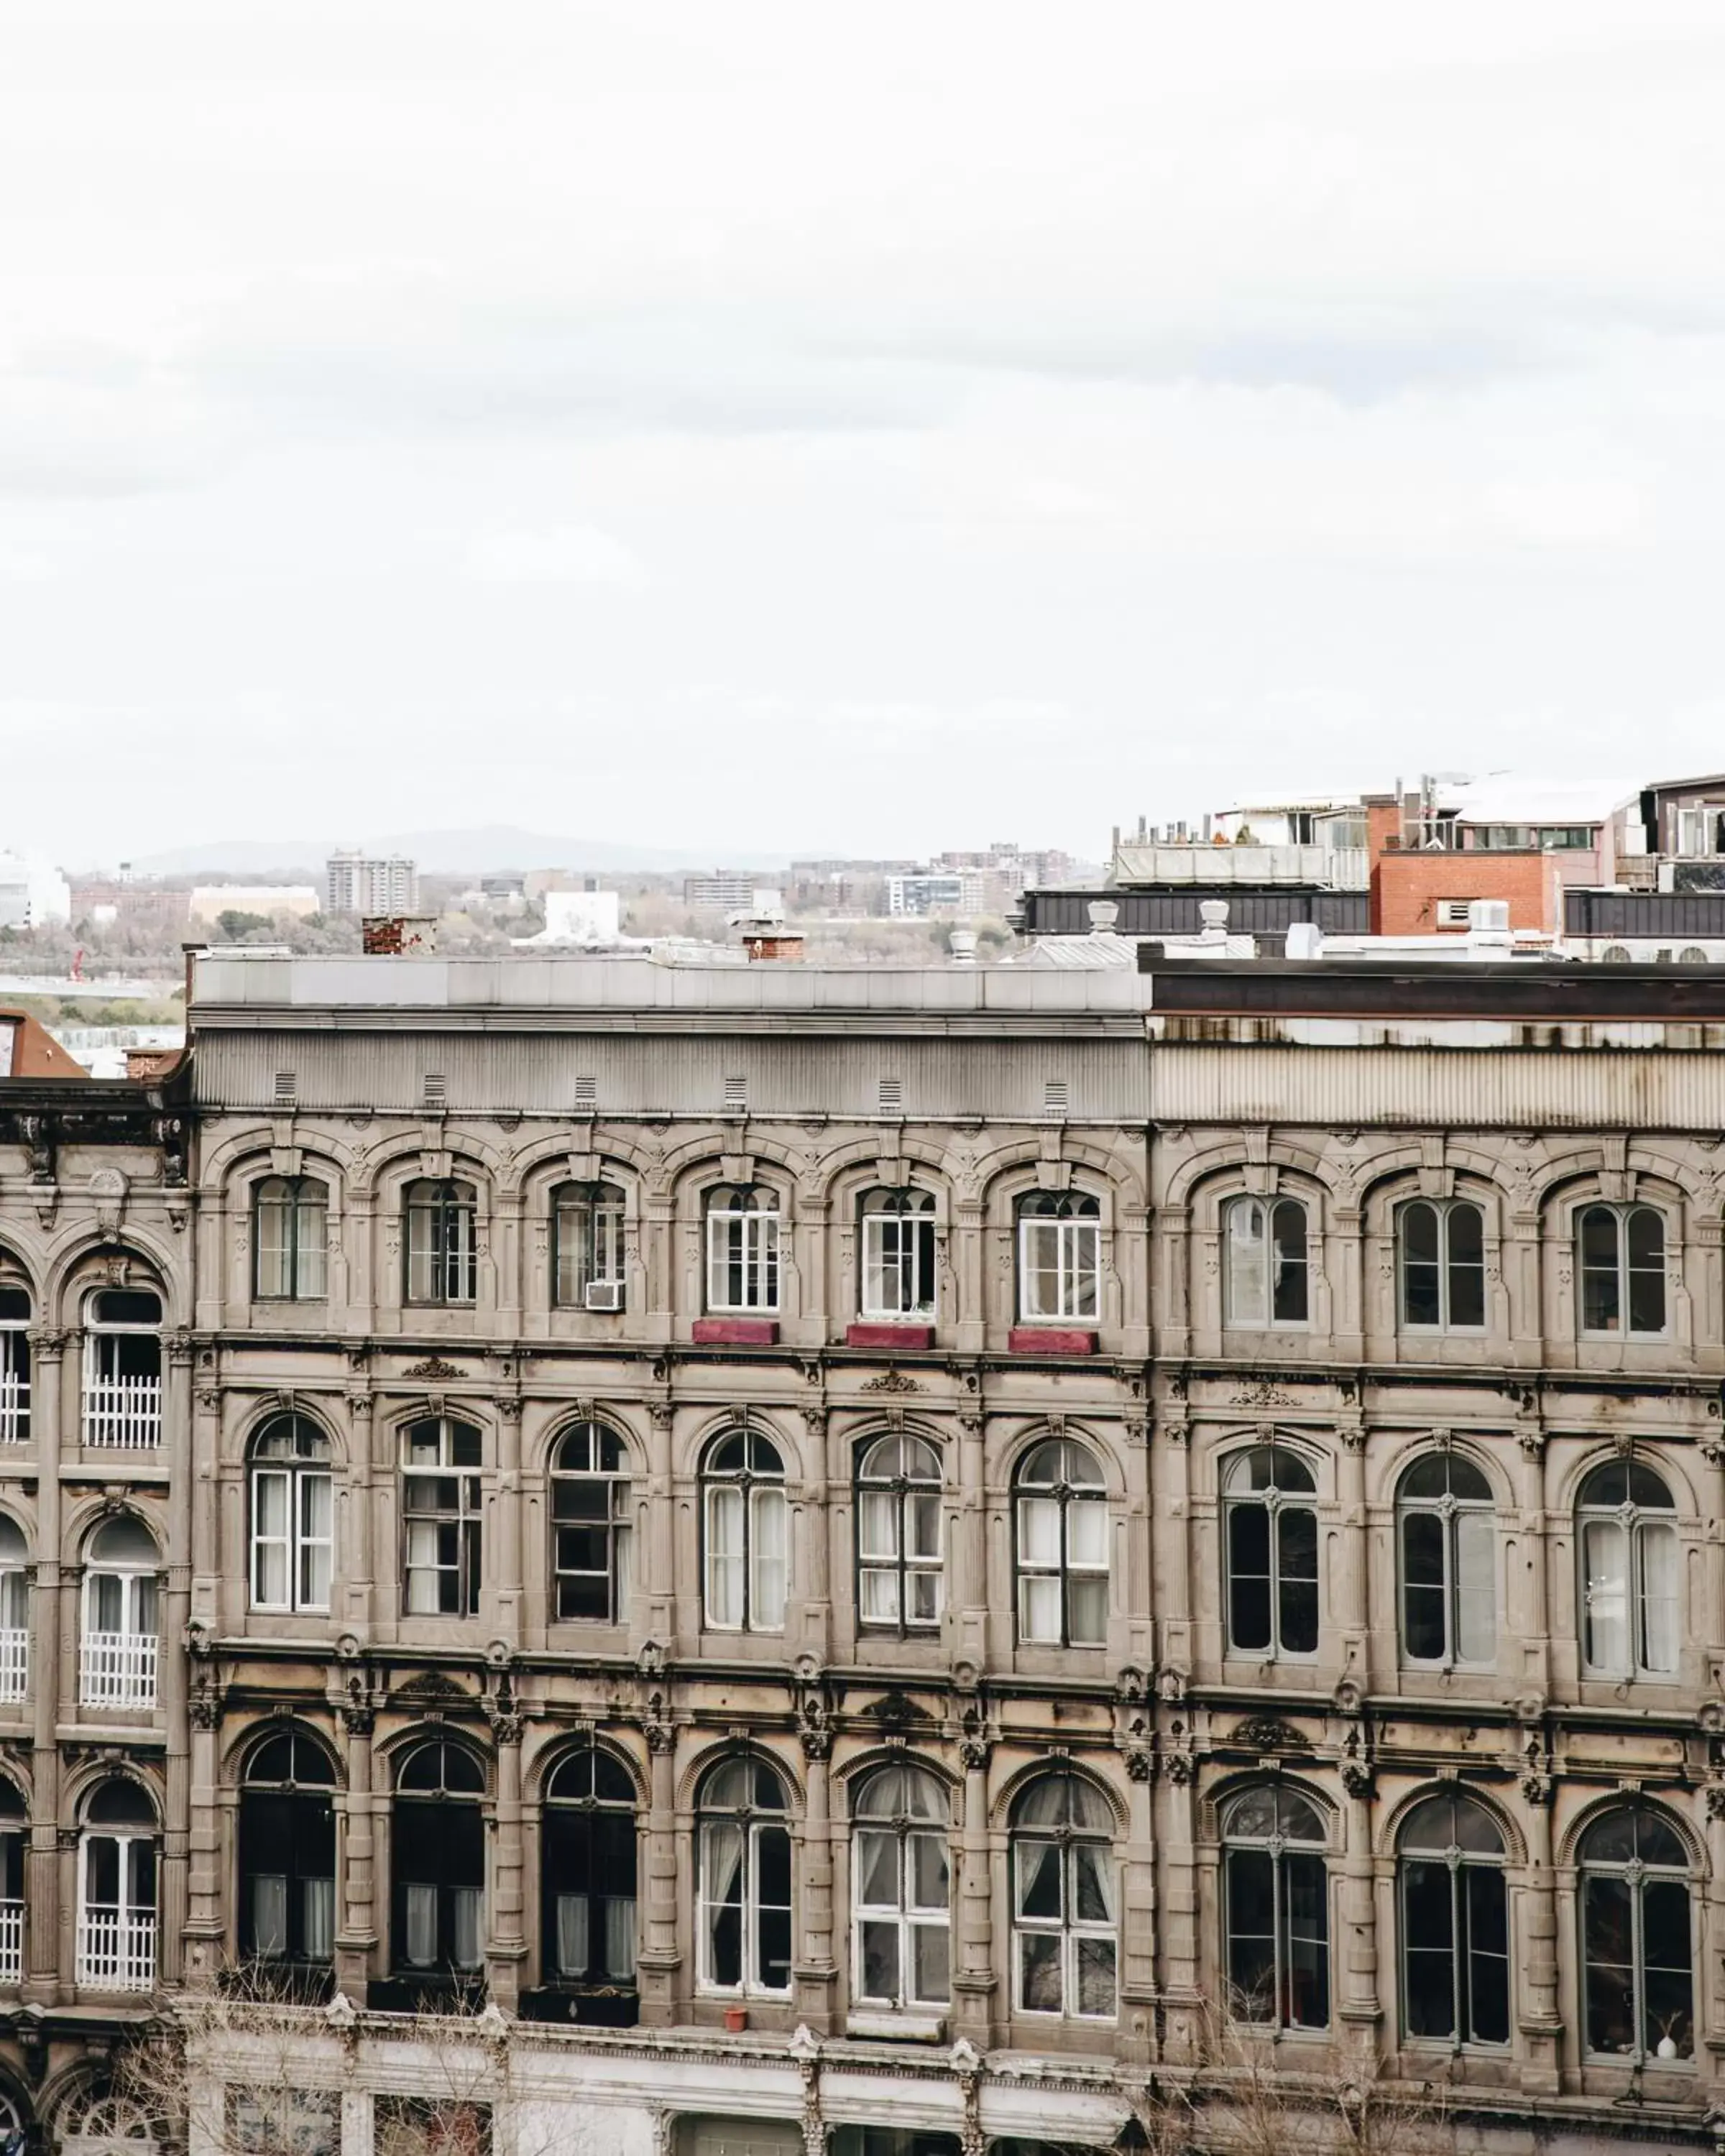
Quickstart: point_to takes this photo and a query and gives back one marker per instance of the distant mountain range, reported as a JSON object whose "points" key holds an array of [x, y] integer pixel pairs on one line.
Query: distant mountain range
{"points": [[493, 848]]}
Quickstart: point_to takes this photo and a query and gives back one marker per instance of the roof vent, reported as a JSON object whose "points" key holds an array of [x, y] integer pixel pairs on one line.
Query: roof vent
{"points": [[893, 1096], [736, 1095], [437, 1089], [1056, 1096], [962, 943], [286, 1089], [1212, 912], [1305, 940], [1104, 913], [586, 1094]]}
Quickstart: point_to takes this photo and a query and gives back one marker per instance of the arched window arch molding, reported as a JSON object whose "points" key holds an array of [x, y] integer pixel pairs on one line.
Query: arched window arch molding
{"points": [[1306, 1446], [690, 1458], [1665, 1459], [1567, 1859], [267, 1408], [539, 1166], [1203, 1186], [1386, 1846], [1018, 1173], [23, 1262], [381, 1173], [1082, 1767], [1038, 1429], [537, 1771], [694, 1169], [78, 1272], [245, 1155], [541, 1453], [236, 1754], [80, 1521], [313, 1168], [690, 1782], [448, 1407], [858, 1429], [391, 1752], [1406, 1448], [1388, 1180], [845, 1176], [18, 1779], [849, 1775], [1561, 1208], [82, 1782], [1213, 1810]]}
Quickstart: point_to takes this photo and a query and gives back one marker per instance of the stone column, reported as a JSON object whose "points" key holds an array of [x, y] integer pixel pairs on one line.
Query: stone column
{"points": [[206, 1918], [661, 1958], [657, 1575], [1182, 1989], [970, 1544], [1538, 2016], [506, 1949], [969, 1270], [356, 1942], [172, 1665], [355, 1555], [811, 1544], [974, 1978], [1352, 1602], [817, 1978], [1361, 2010], [1531, 1625], [1138, 1916], [50, 1609], [503, 1560]]}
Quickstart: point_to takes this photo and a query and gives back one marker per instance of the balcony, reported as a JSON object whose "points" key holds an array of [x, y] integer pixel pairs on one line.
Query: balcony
{"points": [[12, 1942], [1326, 868], [14, 1407], [122, 1411], [117, 1669], [116, 1950], [14, 1663]]}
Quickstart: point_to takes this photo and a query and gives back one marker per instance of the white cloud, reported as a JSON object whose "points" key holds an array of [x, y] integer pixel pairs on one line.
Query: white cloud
{"points": [[564, 554]]}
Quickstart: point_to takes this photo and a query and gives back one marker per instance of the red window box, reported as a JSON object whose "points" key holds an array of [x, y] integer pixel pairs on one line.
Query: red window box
{"points": [[889, 1337], [737, 1331], [1049, 1340]]}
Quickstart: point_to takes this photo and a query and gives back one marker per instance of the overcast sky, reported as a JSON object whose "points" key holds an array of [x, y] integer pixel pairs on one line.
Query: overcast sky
{"points": [[752, 426]]}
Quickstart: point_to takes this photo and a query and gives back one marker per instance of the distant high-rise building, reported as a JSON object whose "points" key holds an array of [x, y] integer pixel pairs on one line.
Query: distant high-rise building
{"points": [[369, 884]]}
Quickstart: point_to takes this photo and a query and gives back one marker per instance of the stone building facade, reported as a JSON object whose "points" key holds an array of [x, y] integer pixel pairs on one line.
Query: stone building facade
{"points": [[879, 1556]]}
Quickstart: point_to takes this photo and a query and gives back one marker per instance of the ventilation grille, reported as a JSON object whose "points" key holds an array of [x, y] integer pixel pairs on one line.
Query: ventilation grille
{"points": [[893, 1096], [587, 1093], [1055, 1097], [736, 1095], [287, 1087], [437, 1089]]}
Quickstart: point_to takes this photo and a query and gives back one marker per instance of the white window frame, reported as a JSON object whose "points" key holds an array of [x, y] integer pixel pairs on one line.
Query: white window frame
{"points": [[1446, 1209], [616, 1523], [15, 1373], [904, 1489], [1451, 1512], [759, 1492], [135, 1924], [1068, 1927], [1065, 1495], [907, 1916], [744, 1239], [466, 1516], [301, 1259], [751, 1826], [1071, 1258], [900, 1256], [135, 1685], [1623, 1272], [302, 1541], [116, 1411], [1273, 1501], [440, 1242]]}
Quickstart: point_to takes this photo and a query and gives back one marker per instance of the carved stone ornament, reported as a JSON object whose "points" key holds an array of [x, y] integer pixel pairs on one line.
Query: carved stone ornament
{"points": [[813, 1713], [892, 1381], [894, 1709], [1261, 1393], [1265, 1733], [432, 1371]]}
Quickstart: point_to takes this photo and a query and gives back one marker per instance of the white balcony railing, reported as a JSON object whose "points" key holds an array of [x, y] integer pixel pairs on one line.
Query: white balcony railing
{"points": [[14, 1407], [14, 1663], [1329, 868], [12, 1941], [116, 1950], [122, 1411], [117, 1669]]}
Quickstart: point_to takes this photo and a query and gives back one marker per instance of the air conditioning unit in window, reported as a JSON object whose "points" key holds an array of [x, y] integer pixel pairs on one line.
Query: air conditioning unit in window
{"points": [[605, 1295]]}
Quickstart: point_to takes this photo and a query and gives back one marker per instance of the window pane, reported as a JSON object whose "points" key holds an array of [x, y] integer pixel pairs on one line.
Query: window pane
{"points": [[1424, 1612], [1092, 1894], [1040, 1972], [928, 1880], [877, 1523], [1096, 1976], [1251, 1933], [1040, 1609], [1246, 1264], [420, 1946], [1087, 1532], [1308, 1943], [1420, 1304], [721, 1884], [1039, 1880], [1087, 1612], [1476, 1595], [1429, 1940], [930, 1946], [269, 1913], [768, 1524], [1669, 2030], [877, 1869], [1039, 1531], [1608, 1948], [1604, 1560], [1646, 1297], [1487, 1904]]}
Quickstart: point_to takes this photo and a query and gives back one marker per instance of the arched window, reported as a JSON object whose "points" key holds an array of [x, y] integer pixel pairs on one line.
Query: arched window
{"points": [[745, 1525], [1622, 1271], [122, 1367], [744, 1880], [1264, 1264], [441, 1512], [590, 1525], [438, 1859], [14, 1611], [290, 1240], [1062, 1509], [293, 1515], [287, 1853], [92, 2124], [898, 1254], [14, 1835], [1269, 1511], [1448, 1550], [741, 1250], [1065, 1901], [116, 1890], [1691, 954], [898, 1533], [1455, 1924], [902, 1890], [442, 1242], [587, 1219], [1637, 1960], [1628, 1541], [589, 1880], [118, 1654], [1059, 1257], [14, 1365], [1278, 1911], [1442, 1246], [1615, 954]]}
